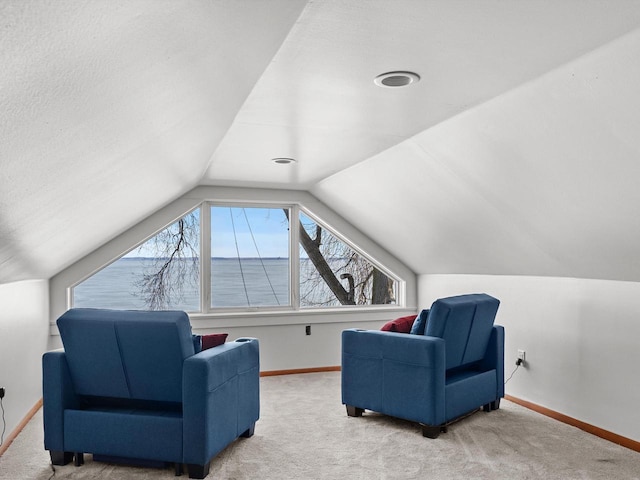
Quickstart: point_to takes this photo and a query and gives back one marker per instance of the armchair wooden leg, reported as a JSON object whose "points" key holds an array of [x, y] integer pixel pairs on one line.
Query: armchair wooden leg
{"points": [[354, 411], [249, 432], [59, 457], [178, 469], [198, 471], [79, 459], [487, 407]]}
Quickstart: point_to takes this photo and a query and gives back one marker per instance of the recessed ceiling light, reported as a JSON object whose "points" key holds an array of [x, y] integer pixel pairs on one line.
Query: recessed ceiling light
{"points": [[396, 79], [283, 160]]}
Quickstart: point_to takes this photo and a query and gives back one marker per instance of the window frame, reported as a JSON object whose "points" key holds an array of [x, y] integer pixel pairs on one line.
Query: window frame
{"points": [[206, 310], [400, 301], [205, 265], [71, 288]]}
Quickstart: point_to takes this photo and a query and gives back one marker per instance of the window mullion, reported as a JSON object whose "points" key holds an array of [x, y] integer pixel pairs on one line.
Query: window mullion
{"points": [[205, 258], [294, 256]]}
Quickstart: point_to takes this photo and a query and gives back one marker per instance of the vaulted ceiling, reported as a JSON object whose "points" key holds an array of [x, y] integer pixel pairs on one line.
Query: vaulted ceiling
{"points": [[517, 152]]}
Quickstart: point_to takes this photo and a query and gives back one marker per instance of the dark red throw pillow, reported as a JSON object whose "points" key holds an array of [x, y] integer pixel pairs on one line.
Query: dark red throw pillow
{"points": [[213, 340], [400, 325]]}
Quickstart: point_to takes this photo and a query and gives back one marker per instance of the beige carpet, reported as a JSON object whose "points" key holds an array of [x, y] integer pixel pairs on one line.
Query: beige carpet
{"points": [[304, 433]]}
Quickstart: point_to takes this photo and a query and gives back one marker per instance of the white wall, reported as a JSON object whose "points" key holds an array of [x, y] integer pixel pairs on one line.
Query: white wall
{"points": [[581, 338], [24, 331], [287, 347], [283, 343]]}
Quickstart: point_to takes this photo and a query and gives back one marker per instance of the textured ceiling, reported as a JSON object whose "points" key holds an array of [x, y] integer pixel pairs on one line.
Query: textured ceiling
{"points": [[111, 109], [541, 180], [317, 102], [515, 154]]}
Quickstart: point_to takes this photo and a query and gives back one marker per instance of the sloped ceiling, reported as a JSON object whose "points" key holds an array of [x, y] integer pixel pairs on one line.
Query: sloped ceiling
{"points": [[516, 153], [111, 109]]}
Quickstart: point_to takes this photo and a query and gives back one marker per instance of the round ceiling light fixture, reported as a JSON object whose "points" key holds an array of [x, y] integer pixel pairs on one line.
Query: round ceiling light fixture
{"points": [[283, 160], [396, 79]]}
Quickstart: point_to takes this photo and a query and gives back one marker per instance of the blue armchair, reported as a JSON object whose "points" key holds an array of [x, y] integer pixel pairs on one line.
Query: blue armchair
{"points": [[454, 368], [130, 387]]}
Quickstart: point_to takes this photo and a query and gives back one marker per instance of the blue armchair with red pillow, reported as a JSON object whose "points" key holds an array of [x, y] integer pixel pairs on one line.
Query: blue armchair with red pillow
{"points": [[449, 364]]}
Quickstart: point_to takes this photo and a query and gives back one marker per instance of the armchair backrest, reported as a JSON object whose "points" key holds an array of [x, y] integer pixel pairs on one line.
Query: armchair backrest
{"points": [[465, 323], [126, 354]]}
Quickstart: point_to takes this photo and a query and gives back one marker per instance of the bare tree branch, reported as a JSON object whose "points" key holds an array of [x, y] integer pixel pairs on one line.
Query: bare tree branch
{"points": [[334, 261], [319, 261], [176, 263]]}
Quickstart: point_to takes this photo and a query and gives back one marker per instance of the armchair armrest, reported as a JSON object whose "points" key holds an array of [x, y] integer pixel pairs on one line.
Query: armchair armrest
{"points": [[394, 373], [221, 387], [494, 358], [58, 394]]}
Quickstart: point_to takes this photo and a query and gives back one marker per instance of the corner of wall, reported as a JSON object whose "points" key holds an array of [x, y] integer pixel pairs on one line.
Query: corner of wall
{"points": [[24, 333], [580, 341]]}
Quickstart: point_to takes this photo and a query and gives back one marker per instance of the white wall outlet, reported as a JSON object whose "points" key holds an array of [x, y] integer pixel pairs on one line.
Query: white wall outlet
{"points": [[521, 355]]}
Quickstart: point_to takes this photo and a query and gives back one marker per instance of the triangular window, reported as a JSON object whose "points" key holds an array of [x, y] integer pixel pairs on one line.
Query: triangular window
{"points": [[332, 273], [160, 274]]}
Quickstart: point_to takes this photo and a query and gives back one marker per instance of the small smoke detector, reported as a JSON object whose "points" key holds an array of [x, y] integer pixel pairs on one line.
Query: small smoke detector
{"points": [[396, 79], [283, 160]]}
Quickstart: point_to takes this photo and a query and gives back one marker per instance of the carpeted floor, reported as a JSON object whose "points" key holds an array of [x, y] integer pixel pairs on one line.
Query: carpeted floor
{"points": [[304, 433]]}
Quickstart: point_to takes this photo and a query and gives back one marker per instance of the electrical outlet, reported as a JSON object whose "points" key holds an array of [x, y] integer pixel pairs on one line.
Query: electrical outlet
{"points": [[1, 392], [522, 355], [307, 329]]}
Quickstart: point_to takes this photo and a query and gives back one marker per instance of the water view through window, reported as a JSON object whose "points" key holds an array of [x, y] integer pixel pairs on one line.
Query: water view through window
{"points": [[116, 286], [162, 273], [250, 266], [249, 257]]}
